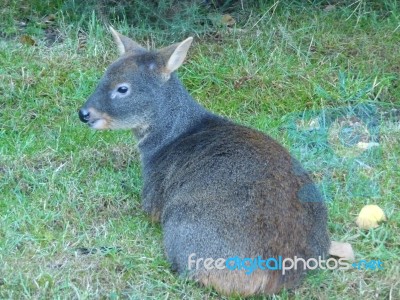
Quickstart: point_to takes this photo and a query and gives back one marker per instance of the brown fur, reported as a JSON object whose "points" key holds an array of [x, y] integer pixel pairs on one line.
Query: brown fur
{"points": [[219, 189]]}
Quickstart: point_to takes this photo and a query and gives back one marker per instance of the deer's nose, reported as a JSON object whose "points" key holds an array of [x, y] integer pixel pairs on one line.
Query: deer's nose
{"points": [[84, 115]]}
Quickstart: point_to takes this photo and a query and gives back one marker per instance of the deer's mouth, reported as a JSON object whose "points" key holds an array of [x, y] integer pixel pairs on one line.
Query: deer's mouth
{"points": [[95, 119], [98, 124]]}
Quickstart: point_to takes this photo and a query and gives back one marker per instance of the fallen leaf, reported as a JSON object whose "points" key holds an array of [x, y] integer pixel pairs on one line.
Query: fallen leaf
{"points": [[49, 20], [228, 20], [341, 250], [51, 17], [238, 83], [27, 40]]}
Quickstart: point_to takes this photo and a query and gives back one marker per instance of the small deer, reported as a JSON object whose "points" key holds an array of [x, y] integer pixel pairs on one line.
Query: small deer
{"points": [[220, 190]]}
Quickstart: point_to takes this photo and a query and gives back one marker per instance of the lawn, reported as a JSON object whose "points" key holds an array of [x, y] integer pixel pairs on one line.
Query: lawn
{"points": [[71, 223]]}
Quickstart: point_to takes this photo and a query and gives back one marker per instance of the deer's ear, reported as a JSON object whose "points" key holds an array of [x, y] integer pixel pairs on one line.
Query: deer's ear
{"points": [[125, 44], [174, 56]]}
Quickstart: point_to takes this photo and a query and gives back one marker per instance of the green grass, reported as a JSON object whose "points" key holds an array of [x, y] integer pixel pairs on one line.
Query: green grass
{"points": [[65, 187]]}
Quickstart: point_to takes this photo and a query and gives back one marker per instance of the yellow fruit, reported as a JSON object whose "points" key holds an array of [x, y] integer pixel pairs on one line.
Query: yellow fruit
{"points": [[370, 216]]}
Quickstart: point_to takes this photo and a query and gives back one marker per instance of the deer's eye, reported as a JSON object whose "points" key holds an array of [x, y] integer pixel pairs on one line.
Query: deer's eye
{"points": [[122, 89]]}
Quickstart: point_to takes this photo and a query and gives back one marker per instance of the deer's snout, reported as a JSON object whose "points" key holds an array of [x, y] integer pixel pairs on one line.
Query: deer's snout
{"points": [[84, 115]]}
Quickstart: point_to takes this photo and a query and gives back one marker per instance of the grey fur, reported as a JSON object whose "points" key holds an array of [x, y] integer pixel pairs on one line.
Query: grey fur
{"points": [[219, 189]]}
